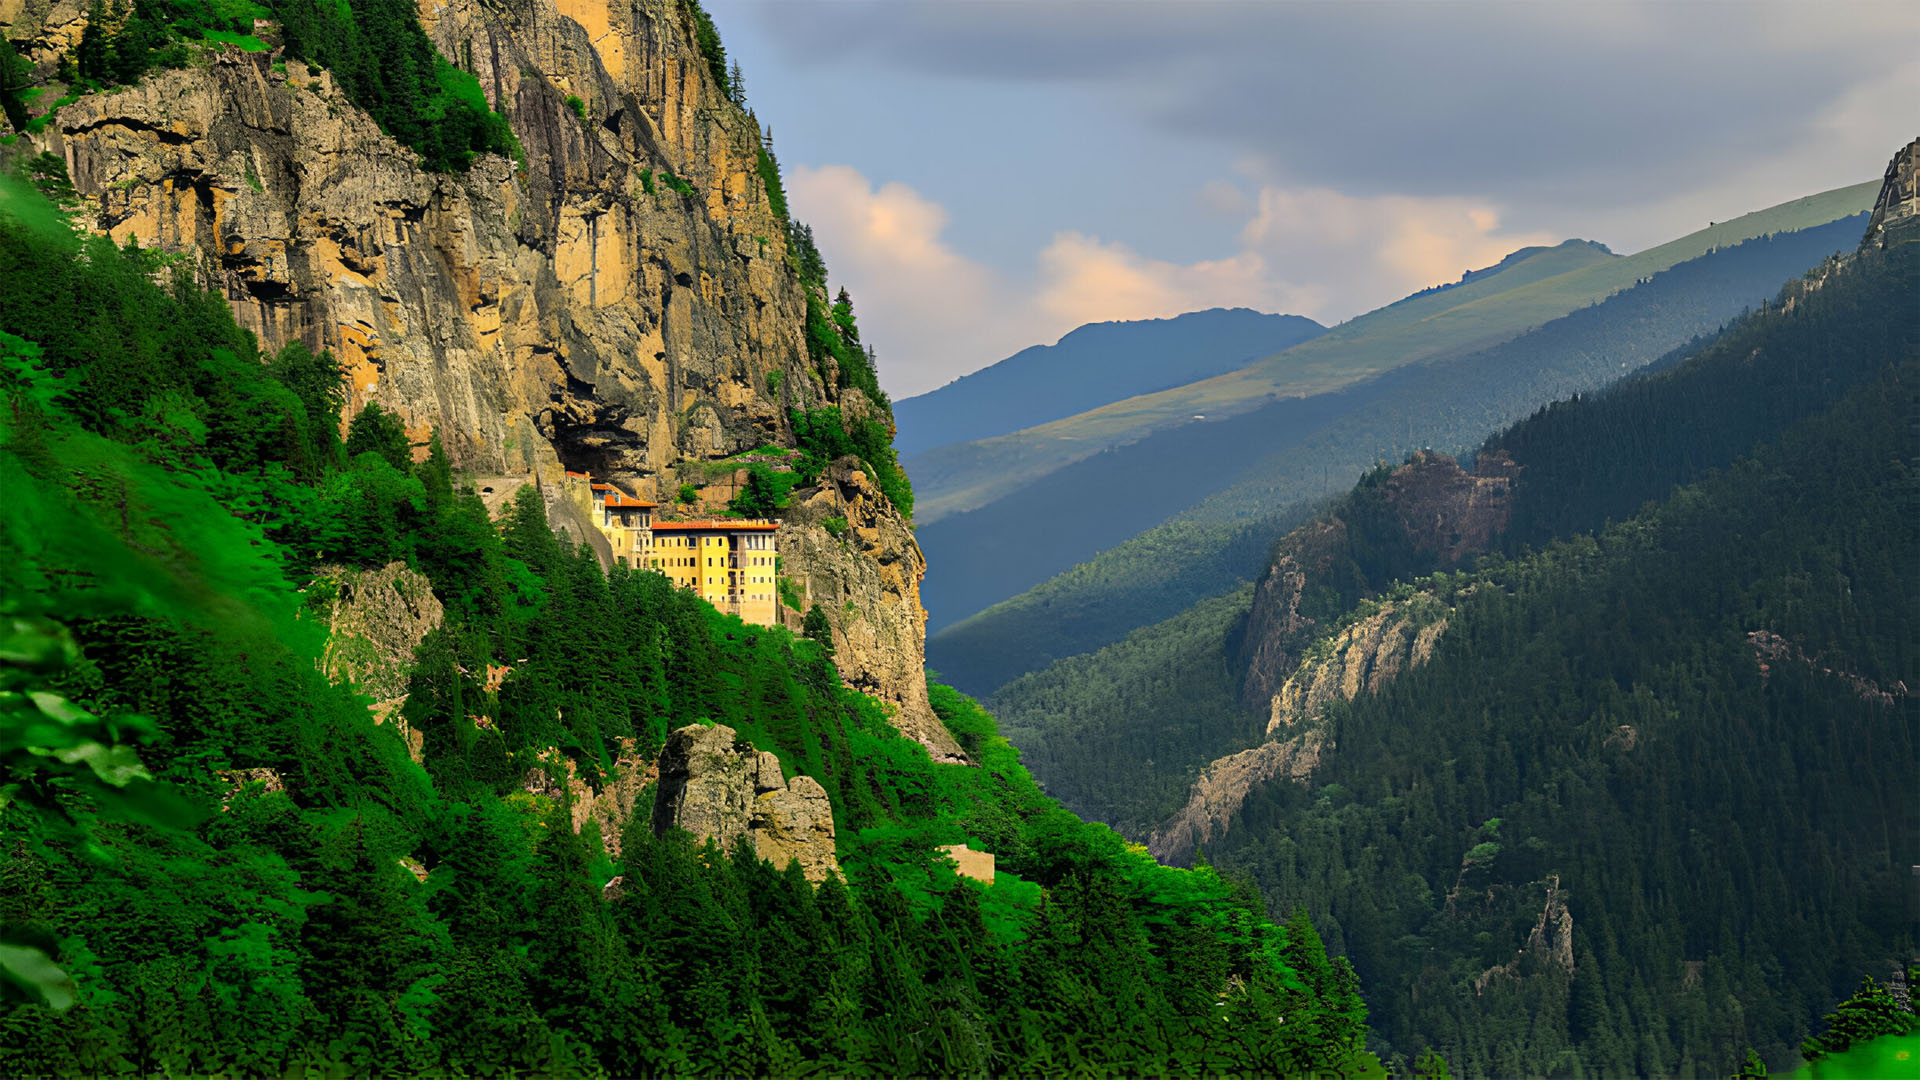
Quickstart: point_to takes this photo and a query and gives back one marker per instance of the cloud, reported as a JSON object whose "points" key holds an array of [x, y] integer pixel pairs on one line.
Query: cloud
{"points": [[1612, 104], [1083, 280], [930, 313], [1367, 251], [934, 314]]}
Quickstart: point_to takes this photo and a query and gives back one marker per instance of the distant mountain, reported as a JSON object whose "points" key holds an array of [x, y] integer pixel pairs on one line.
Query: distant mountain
{"points": [[1091, 366], [1644, 755], [1488, 308], [1297, 451]]}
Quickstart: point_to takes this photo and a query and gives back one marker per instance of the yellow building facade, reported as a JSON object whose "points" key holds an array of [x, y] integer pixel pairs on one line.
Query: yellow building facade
{"points": [[731, 564]]}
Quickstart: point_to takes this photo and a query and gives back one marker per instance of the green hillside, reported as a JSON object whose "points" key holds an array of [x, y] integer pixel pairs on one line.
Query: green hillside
{"points": [[218, 863], [1727, 827], [1764, 374], [1268, 487], [1473, 315], [1688, 730]]}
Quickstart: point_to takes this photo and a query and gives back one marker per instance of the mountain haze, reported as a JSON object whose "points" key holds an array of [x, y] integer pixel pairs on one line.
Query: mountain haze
{"points": [[1448, 403], [1592, 755], [1471, 315], [1089, 367]]}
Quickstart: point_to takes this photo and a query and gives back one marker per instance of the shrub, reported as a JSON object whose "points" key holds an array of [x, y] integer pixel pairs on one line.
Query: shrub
{"points": [[836, 527], [688, 494], [579, 107]]}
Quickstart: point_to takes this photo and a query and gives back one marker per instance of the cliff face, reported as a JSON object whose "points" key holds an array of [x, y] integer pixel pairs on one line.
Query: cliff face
{"points": [[713, 786], [577, 311], [1373, 649], [1897, 211], [1428, 513]]}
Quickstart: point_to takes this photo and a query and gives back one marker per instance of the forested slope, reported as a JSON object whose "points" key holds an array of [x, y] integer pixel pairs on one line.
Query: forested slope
{"points": [[1643, 767], [1650, 800], [1580, 463], [1448, 404], [218, 862]]}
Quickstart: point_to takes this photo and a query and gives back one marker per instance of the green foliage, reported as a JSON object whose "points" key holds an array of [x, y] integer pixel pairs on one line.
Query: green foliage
{"points": [[836, 526], [15, 81], [824, 435], [687, 495], [1872, 1011], [1312, 452], [1595, 703], [378, 432], [706, 38], [1602, 698], [765, 493], [818, 630], [676, 184], [789, 593], [149, 547], [1117, 736], [646, 180], [383, 61], [770, 179], [579, 107], [118, 46], [1886, 1056]]}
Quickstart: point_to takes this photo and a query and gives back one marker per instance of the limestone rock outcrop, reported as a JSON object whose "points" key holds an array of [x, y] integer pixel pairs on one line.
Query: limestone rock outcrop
{"points": [[609, 803], [1373, 649], [1364, 656], [1896, 213], [1223, 786], [1429, 506], [375, 619], [713, 785], [571, 309]]}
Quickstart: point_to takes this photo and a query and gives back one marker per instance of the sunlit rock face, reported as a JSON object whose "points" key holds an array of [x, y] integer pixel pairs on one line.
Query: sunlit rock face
{"points": [[574, 309]]}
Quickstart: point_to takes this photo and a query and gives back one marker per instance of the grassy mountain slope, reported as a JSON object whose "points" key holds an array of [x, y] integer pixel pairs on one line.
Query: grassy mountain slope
{"points": [[1437, 323], [1448, 404], [1089, 367], [1581, 464], [1686, 737], [983, 556], [208, 846]]}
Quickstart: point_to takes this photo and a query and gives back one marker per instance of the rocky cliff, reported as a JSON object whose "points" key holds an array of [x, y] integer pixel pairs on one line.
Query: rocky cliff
{"points": [[1427, 513], [1897, 210], [1378, 643], [712, 785], [574, 309]]}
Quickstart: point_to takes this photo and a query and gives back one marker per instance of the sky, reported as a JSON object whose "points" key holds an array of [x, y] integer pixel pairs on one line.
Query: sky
{"points": [[984, 175]]}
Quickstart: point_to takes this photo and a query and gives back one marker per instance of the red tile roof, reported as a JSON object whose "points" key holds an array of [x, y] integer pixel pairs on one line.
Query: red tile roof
{"points": [[622, 499], [710, 525]]}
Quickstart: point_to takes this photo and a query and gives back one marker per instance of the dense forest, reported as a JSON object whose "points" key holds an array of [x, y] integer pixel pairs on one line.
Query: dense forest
{"points": [[1691, 734], [1250, 498], [207, 845], [1666, 426], [1688, 729]]}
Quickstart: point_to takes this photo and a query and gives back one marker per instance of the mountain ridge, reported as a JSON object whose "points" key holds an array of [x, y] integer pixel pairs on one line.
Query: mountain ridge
{"points": [[1447, 403], [1090, 365], [1548, 285]]}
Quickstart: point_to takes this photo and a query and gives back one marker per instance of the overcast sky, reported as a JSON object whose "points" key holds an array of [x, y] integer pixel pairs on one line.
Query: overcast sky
{"points": [[984, 176]]}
